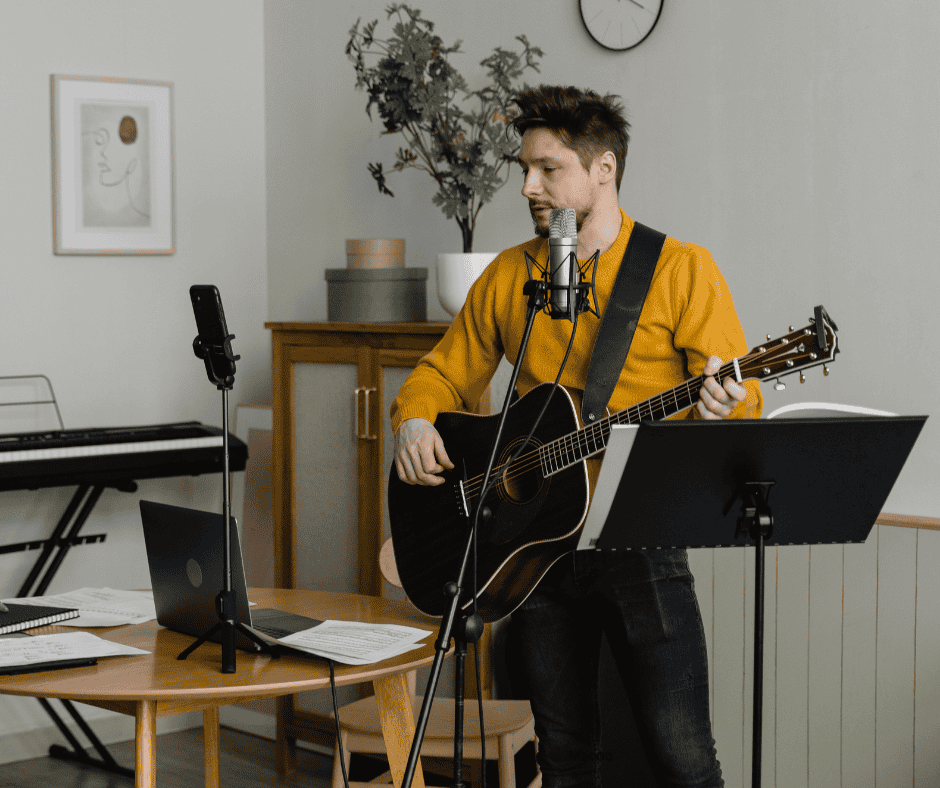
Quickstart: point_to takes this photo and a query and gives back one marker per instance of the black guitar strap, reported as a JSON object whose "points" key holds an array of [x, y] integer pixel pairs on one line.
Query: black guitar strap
{"points": [[620, 319]]}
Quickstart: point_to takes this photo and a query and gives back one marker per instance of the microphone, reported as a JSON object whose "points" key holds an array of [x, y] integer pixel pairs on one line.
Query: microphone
{"points": [[563, 288], [563, 262]]}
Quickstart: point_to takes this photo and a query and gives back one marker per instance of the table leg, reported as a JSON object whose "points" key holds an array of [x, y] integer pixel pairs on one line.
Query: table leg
{"points": [[286, 752], [145, 772], [398, 725], [210, 745]]}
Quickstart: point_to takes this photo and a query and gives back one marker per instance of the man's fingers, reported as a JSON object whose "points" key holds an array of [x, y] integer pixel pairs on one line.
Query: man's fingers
{"points": [[441, 453], [405, 471], [425, 459], [420, 453], [712, 365]]}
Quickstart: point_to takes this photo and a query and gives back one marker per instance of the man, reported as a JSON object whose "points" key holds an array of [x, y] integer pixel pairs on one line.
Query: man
{"points": [[574, 143]]}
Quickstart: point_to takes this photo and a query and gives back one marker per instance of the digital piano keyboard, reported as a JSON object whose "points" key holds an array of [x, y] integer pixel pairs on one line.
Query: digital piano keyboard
{"points": [[111, 455]]}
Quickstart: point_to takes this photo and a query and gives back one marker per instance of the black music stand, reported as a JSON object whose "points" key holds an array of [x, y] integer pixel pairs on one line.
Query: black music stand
{"points": [[749, 482]]}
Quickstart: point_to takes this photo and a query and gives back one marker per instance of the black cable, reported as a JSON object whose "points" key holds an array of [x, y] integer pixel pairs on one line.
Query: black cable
{"points": [[339, 734], [476, 660], [535, 424], [508, 464]]}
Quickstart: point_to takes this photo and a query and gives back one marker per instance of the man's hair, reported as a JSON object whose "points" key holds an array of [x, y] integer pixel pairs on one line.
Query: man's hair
{"points": [[585, 121]]}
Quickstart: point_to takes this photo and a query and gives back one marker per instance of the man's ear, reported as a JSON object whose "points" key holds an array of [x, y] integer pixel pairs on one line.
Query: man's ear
{"points": [[606, 165]]}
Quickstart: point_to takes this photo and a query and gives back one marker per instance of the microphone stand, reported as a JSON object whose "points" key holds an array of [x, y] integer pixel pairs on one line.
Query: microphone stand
{"points": [[471, 626], [221, 357]]}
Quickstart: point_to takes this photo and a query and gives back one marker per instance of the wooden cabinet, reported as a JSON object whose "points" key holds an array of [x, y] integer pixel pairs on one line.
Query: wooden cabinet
{"points": [[333, 384]]}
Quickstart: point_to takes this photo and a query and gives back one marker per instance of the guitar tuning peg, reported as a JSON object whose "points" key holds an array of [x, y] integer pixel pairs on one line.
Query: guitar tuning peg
{"points": [[768, 337], [825, 370], [779, 385], [802, 378], [790, 328]]}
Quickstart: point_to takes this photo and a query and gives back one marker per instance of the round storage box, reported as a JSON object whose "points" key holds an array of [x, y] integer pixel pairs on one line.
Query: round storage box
{"points": [[375, 253], [378, 295]]}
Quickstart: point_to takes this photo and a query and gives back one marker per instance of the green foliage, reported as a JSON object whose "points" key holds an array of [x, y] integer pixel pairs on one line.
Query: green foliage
{"points": [[417, 93]]}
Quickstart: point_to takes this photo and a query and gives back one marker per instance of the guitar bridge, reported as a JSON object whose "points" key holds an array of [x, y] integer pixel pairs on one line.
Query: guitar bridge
{"points": [[462, 508]]}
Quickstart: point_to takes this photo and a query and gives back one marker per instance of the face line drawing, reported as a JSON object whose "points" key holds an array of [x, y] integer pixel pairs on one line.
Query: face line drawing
{"points": [[102, 138]]}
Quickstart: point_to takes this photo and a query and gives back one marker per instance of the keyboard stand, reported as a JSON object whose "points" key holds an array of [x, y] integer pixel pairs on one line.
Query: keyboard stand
{"points": [[60, 546], [56, 547], [77, 753]]}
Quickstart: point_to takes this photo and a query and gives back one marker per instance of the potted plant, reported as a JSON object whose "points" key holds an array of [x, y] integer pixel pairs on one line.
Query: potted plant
{"points": [[420, 95]]}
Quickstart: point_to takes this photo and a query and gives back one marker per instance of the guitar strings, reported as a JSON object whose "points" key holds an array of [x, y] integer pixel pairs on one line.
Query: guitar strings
{"points": [[565, 444], [562, 447]]}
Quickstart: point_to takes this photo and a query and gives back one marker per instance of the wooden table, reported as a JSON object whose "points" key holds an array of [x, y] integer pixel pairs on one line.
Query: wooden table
{"points": [[159, 685]]}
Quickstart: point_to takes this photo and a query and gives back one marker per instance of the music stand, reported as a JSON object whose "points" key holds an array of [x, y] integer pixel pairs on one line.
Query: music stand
{"points": [[748, 482]]}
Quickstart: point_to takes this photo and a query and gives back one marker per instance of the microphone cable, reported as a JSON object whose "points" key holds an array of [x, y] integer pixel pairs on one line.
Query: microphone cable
{"points": [[538, 419], [483, 494]]}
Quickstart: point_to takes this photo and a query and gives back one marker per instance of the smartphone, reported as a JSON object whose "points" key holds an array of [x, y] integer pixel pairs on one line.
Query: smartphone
{"points": [[213, 344]]}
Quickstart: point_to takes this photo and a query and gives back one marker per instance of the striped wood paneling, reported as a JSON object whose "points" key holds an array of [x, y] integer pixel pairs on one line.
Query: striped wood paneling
{"points": [[851, 659]]}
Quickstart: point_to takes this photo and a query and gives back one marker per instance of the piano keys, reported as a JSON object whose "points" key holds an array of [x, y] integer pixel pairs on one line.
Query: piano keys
{"points": [[112, 456]]}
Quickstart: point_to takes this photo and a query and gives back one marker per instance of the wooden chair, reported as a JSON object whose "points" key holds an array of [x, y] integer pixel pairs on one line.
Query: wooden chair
{"points": [[508, 724]]}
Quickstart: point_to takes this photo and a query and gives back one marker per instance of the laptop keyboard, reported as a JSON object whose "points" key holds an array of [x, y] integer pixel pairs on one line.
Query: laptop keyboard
{"points": [[272, 632]]}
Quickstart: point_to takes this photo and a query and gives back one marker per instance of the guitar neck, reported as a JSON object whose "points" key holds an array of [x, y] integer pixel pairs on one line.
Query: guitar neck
{"points": [[589, 441]]}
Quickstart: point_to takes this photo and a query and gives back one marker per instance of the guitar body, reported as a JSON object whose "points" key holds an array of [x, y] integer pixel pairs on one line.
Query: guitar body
{"points": [[517, 544]]}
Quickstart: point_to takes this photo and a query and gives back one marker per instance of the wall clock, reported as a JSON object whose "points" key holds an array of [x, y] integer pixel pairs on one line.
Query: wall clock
{"points": [[620, 24]]}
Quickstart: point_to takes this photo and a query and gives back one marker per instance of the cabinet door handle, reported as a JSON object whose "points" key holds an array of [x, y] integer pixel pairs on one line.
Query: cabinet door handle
{"points": [[356, 394], [368, 419]]}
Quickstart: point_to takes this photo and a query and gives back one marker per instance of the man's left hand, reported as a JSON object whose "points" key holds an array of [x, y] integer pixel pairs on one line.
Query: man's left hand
{"points": [[715, 401]]}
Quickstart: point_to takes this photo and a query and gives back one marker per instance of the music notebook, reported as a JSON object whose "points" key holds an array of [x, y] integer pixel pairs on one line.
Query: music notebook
{"points": [[19, 617]]}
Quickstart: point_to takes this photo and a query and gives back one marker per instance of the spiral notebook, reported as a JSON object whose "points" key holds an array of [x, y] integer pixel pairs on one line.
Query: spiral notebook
{"points": [[20, 617]]}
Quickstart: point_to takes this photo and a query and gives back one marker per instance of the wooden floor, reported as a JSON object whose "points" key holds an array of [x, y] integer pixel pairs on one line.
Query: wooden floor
{"points": [[247, 762]]}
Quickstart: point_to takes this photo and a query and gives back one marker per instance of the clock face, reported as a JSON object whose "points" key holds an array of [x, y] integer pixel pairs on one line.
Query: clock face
{"points": [[620, 24]]}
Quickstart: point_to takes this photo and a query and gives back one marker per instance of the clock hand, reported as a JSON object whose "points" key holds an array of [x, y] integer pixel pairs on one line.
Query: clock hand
{"points": [[637, 4]]}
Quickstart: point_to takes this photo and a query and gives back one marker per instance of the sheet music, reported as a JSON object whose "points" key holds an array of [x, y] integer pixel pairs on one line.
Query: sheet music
{"points": [[824, 410], [356, 642], [616, 455], [61, 646], [100, 607]]}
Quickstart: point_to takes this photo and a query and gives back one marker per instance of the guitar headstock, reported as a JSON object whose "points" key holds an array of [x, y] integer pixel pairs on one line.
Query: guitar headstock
{"points": [[811, 346]]}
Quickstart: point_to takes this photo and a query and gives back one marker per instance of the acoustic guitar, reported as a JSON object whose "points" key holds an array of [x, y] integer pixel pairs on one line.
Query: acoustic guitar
{"points": [[538, 502]]}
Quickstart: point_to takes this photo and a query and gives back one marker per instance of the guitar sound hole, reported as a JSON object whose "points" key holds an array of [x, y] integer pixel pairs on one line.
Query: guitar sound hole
{"points": [[522, 481]]}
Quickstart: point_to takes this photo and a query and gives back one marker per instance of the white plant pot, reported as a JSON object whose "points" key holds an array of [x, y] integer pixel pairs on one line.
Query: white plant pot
{"points": [[455, 274]]}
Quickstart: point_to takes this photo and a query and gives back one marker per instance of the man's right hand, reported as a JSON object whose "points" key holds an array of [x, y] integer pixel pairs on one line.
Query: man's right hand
{"points": [[419, 453]]}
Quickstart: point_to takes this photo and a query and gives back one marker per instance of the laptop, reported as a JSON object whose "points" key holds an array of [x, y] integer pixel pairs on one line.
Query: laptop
{"points": [[185, 553]]}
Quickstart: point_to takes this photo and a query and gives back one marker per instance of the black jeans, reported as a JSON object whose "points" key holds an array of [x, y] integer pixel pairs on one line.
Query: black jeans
{"points": [[645, 602]]}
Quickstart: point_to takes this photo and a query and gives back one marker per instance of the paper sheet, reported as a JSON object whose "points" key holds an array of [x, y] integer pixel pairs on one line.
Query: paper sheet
{"points": [[355, 642], [99, 607], [64, 645], [619, 445]]}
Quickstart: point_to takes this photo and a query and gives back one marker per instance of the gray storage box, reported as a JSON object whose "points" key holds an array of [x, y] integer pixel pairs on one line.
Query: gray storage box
{"points": [[376, 295]]}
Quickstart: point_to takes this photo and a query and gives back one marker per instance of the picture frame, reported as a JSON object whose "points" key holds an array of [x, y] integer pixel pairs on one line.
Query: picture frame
{"points": [[112, 166]]}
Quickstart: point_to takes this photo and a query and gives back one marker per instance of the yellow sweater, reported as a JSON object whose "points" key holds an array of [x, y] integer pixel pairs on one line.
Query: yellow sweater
{"points": [[688, 316]]}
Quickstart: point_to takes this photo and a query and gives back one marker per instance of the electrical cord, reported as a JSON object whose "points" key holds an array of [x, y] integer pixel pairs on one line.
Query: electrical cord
{"points": [[339, 734]]}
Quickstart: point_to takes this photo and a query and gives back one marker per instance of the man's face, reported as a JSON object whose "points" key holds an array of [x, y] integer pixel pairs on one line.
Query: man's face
{"points": [[554, 178]]}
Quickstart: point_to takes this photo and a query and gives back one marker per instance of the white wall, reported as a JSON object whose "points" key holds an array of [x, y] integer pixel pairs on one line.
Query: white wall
{"points": [[114, 333], [800, 144]]}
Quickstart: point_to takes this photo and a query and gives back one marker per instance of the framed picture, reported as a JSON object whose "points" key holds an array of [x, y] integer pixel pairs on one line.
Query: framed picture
{"points": [[112, 169]]}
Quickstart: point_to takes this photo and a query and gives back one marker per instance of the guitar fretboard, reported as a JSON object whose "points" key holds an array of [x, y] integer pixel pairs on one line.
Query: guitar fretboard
{"points": [[577, 446]]}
